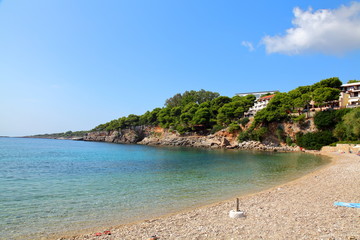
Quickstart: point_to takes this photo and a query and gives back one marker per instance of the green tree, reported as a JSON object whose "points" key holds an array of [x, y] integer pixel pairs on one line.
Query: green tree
{"points": [[190, 108], [164, 117], [349, 129], [316, 140], [189, 97], [202, 117], [112, 125], [301, 96], [149, 118], [277, 109], [174, 101], [218, 102], [325, 94], [333, 82], [132, 120], [175, 111], [186, 118], [152, 117], [232, 111]]}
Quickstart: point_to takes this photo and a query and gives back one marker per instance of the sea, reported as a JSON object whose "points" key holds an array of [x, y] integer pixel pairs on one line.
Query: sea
{"points": [[51, 187]]}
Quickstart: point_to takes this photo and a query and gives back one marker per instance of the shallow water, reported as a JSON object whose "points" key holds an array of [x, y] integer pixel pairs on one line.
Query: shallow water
{"points": [[53, 186]]}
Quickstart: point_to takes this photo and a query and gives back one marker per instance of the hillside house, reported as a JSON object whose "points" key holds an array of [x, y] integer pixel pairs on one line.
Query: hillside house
{"points": [[350, 95], [259, 104]]}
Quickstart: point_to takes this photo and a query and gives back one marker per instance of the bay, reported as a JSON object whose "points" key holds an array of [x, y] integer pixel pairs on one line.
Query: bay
{"points": [[54, 186]]}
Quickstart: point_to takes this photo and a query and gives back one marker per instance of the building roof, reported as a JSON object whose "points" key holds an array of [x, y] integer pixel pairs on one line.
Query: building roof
{"points": [[253, 93], [256, 94], [266, 97], [350, 84]]}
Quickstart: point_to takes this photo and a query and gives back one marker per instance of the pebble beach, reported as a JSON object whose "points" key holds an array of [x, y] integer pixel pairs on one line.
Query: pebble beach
{"points": [[301, 209]]}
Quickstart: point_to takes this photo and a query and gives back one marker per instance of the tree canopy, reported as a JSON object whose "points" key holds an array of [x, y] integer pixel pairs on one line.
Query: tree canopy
{"points": [[282, 104], [206, 110], [189, 111], [191, 96]]}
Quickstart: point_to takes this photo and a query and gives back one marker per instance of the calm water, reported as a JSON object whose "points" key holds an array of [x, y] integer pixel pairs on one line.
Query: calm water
{"points": [[52, 186]]}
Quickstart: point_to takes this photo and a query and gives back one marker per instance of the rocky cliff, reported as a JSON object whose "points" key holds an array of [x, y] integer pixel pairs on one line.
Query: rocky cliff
{"points": [[159, 136], [132, 135], [222, 139]]}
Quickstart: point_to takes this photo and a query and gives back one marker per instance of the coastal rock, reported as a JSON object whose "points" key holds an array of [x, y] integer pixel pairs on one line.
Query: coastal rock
{"points": [[131, 135], [256, 145], [168, 138], [164, 137]]}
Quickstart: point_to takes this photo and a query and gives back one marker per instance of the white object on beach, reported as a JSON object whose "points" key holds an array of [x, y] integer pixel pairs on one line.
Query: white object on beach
{"points": [[236, 214]]}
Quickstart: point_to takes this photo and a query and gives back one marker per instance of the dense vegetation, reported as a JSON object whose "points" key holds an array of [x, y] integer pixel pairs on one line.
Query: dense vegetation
{"points": [[335, 125], [191, 111], [205, 112], [284, 106], [299, 99]]}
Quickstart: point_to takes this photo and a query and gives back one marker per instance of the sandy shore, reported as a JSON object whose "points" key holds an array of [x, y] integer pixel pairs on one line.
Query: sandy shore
{"points": [[302, 209]]}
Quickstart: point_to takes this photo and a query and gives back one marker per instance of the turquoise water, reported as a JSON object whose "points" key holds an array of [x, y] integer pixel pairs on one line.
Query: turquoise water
{"points": [[53, 186]]}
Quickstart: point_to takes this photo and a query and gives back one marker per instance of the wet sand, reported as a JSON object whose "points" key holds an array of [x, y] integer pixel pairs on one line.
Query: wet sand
{"points": [[301, 209]]}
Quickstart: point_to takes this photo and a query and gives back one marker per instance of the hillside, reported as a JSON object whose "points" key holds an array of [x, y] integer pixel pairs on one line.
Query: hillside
{"points": [[308, 117], [203, 118]]}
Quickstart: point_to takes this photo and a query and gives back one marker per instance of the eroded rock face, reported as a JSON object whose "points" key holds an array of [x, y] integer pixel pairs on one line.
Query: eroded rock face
{"points": [[163, 137], [98, 136], [255, 145], [159, 136], [132, 135], [167, 138]]}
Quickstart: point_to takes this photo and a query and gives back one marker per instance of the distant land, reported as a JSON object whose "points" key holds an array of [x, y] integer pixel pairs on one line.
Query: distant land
{"points": [[309, 117], [77, 135]]}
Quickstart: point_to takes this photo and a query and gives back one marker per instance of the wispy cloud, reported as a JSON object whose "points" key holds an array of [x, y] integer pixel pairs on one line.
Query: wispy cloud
{"points": [[328, 31], [248, 45]]}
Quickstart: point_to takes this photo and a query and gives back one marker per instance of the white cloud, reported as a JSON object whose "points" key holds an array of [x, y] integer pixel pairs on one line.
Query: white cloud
{"points": [[249, 45], [327, 31]]}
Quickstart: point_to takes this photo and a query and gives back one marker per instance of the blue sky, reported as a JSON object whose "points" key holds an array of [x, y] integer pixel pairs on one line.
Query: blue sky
{"points": [[71, 65]]}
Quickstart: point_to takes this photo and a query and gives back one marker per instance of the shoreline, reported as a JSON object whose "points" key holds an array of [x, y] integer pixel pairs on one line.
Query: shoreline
{"points": [[269, 216]]}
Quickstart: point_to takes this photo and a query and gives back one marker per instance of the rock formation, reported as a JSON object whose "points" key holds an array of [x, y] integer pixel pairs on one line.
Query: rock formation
{"points": [[148, 135]]}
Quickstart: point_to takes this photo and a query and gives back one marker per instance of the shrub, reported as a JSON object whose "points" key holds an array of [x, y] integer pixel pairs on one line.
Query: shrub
{"points": [[316, 140], [300, 119], [349, 128], [258, 134], [327, 120], [324, 120], [244, 121], [181, 129], [233, 127], [289, 141], [340, 131], [244, 136], [216, 128]]}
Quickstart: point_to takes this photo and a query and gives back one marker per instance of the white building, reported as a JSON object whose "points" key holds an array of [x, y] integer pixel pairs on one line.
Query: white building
{"points": [[350, 95], [259, 104]]}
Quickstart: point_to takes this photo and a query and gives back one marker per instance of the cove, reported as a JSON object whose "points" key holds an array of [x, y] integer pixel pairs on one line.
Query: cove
{"points": [[54, 186]]}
